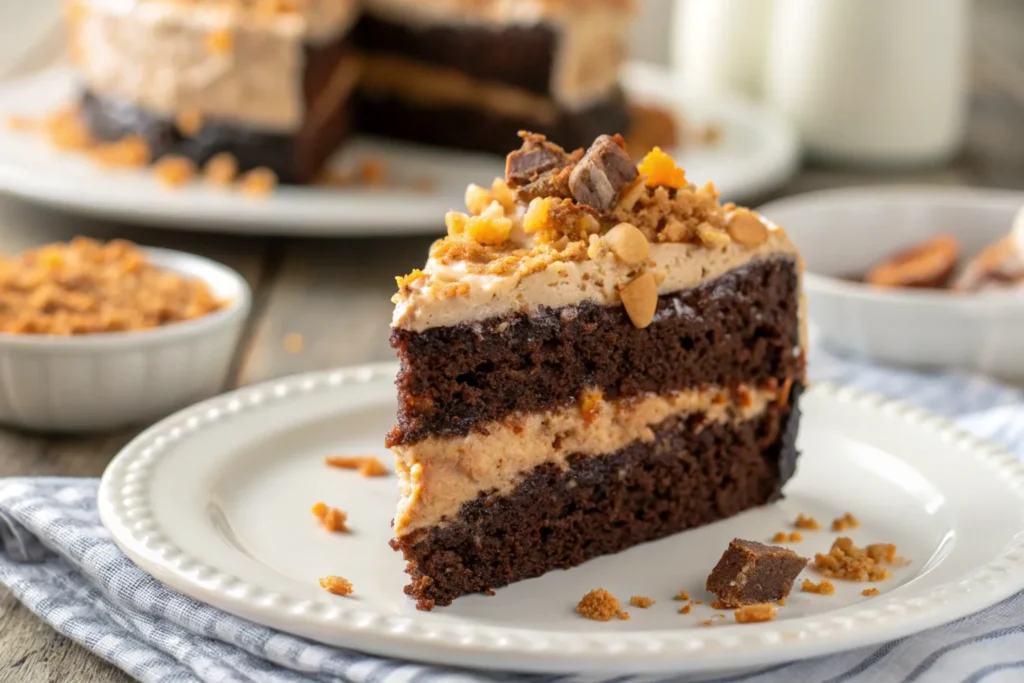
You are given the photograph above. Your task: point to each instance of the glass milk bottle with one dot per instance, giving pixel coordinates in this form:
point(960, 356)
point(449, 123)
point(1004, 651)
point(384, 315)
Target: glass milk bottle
point(720, 45)
point(872, 82)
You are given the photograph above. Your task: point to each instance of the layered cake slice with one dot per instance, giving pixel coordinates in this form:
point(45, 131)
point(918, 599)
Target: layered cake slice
point(597, 355)
point(282, 83)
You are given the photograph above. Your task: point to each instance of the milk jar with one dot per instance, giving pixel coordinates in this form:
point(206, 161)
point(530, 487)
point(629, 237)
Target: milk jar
point(871, 82)
point(720, 45)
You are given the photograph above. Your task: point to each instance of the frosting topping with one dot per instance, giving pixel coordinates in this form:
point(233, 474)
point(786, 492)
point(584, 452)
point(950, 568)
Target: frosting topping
point(566, 228)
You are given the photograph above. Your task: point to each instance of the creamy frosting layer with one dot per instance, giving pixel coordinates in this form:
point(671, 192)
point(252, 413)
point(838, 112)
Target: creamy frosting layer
point(426, 85)
point(682, 265)
point(210, 60)
point(437, 475)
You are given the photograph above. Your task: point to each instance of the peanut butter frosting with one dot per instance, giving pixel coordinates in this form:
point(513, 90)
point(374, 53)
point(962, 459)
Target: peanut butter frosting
point(553, 242)
point(437, 475)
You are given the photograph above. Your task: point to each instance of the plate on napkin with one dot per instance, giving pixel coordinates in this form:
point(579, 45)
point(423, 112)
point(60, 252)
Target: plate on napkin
point(215, 502)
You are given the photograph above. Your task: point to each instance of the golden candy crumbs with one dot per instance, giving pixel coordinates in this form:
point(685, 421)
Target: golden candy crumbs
point(491, 227)
point(455, 221)
point(220, 41)
point(661, 170)
point(477, 199)
point(537, 215)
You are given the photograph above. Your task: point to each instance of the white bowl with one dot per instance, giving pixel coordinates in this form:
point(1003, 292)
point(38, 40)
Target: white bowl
point(842, 233)
point(99, 382)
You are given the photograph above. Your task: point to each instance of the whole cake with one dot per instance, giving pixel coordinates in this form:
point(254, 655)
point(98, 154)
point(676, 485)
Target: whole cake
point(281, 83)
point(597, 355)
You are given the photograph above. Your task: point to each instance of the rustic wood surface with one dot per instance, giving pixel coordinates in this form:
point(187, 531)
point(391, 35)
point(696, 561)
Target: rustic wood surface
point(336, 294)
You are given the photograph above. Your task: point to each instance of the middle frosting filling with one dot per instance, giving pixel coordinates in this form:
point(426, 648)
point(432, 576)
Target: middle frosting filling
point(437, 475)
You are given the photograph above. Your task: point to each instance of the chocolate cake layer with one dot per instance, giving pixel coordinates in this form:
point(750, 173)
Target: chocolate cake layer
point(556, 519)
point(476, 129)
point(740, 328)
point(295, 157)
point(518, 55)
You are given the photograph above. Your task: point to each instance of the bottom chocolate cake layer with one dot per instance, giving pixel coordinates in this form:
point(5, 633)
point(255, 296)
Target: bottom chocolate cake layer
point(555, 519)
point(479, 130)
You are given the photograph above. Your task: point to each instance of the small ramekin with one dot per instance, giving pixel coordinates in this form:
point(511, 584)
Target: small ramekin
point(101, 382)
point(842, 233)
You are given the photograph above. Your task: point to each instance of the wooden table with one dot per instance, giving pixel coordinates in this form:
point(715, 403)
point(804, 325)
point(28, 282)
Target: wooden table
point(336, 294)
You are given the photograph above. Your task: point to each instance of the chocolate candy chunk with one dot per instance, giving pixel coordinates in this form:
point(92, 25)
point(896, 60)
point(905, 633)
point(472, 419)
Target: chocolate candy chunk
point(536, 157)
point(752, 573)
point(601, 174)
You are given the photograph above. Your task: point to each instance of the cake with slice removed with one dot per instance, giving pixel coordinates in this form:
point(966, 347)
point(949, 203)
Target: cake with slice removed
point(597, 355)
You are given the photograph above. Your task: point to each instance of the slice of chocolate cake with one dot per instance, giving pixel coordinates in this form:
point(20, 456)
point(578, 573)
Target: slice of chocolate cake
point(282, 83)
point(595, 356)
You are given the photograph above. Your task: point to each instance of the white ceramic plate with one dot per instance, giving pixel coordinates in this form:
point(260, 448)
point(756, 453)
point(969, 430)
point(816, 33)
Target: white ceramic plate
point(215, 502)
point(758, 152)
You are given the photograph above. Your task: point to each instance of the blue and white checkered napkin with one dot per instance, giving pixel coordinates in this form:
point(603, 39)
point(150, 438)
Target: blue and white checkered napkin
point(59, 562)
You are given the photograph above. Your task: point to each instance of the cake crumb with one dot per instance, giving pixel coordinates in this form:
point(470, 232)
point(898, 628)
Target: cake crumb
point(805, 522)
point(845, 560)
point(21, 123)
point(870, 592)
point(330, 518)
point(682, 595)
point(847, 521)
point(826, 587)
point(780, 537)
point(490, 592)
point(174, 171)
point(782, 602)
point(188, 122)
point(796, 537)
point(259, 182)
point(718, 604)
point(294, 343)
point(641, 601)
point(338, 585)
point(220, 41)
point(221, 170)
point(372, 467)
point(367, 465)
point(752, 614)
point(600, 605)
point(685, 609)
point(373, 172)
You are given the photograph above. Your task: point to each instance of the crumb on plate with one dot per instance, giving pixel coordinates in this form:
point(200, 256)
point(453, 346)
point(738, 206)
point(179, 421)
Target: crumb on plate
point(870, 592)
point(338, 585)
point(826, 587)
point(367, 465)
point(805, 522)
point(847, 521)
point(294, 343)
point(752, 614)
point(682, 595)
point(600, 605)
point(641, 601)
point(332, 519)
point(851, 563)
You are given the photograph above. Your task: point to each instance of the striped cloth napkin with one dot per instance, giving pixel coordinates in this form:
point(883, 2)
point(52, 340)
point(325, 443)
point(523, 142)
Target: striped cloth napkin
point(58, 560)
